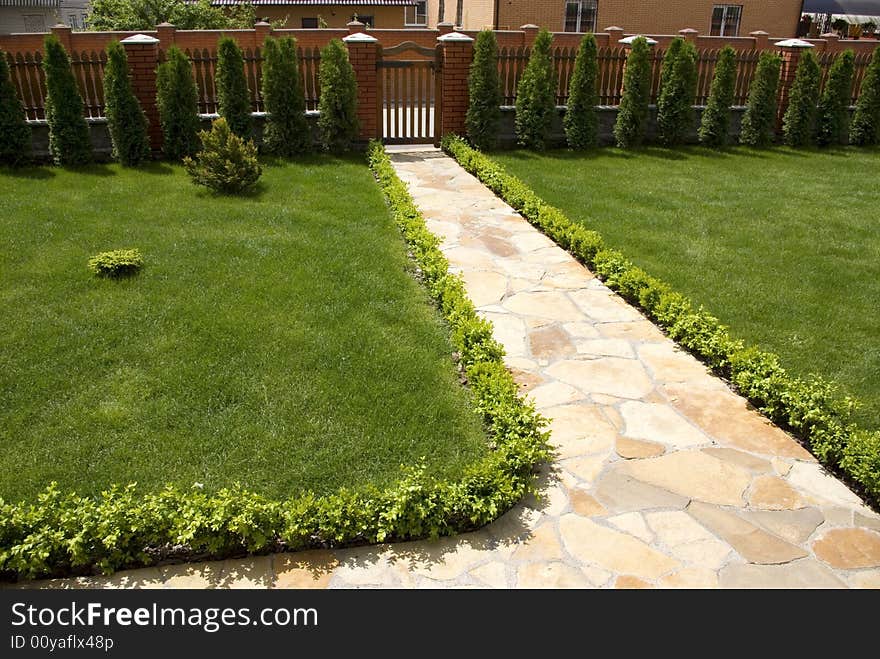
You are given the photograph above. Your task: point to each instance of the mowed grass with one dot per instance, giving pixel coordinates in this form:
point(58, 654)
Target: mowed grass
point(276, 340)
point(782, 245)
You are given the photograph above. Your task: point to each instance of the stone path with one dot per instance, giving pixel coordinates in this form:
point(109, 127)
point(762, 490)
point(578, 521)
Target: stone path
point(664, 477)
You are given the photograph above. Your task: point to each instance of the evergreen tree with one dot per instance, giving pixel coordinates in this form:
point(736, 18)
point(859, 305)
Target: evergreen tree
point(669, 58)
point(865, 127)
point(675, 108)
point(15, 134)
point(581, 122)
point(536, 95)
point(69, 140)
point(800, 115)
point(758, 123)
point(632, 115)
point(715, 124)
point(232, 90)
point(287, 131)
point(833, 113)
point(484, 93)
point(178, 101)
point(338, 122)
point(126, 120)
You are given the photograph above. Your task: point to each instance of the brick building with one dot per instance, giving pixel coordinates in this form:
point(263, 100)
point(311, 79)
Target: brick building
point(40, 15)
point(305, 14)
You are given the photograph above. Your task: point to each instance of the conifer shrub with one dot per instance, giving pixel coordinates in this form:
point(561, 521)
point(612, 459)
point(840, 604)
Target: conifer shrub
point(337, 122)
point(15, 134)
point(226, 163)
point(668, 65)
point(287, 131)
point(126, 120)
point(484, 93)
point(117, 263)
point(581, 122)
point(632, 115)
point(758, 123)
point(232, 91)
point(865, 127)
point(675, 107)
point(798, 124)
point(833, 113)
point(69, 139)
point(178, 101)
point(536, 95)
point(715, 123)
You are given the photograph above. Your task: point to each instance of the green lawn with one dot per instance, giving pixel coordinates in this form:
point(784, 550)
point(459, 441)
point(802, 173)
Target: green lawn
point(277, 340)
point(782, 245)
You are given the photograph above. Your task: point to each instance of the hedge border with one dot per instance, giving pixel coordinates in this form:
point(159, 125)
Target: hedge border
point(64, 534)
point(811, 409)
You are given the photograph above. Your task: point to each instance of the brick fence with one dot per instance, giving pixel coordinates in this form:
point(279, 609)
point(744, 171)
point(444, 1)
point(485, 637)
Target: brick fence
point(146, 50)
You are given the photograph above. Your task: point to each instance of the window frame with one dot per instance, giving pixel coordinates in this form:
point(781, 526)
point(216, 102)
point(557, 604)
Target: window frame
point(580, 15)
point(303, 20)
point(725, 18)
point(415, 8)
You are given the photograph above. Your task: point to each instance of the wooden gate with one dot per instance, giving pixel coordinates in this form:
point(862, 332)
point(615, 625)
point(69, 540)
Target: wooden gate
point(407, 100)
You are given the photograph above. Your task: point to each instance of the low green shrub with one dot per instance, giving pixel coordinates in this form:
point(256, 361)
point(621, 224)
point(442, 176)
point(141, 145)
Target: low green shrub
point(226, 162)
point(812, 408)
point(536, 95)
point(581, 122)
point(69, 140)
point(484, 93)
point(632, 115)
point(117, 263)
point(15, 134)
point(178, 100)
point(125, 118)
point(759, 120)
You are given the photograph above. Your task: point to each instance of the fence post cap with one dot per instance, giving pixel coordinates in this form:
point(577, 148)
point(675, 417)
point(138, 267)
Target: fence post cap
point(529, 26)
point(628, 41)
point(829, 35)
point(165, 24)
point(795, 43)
point(688, 30)
point(140, 38)
point(613, 28)
point(759, 33)
point(360, 37)
point(454, 36)
point(262, 24)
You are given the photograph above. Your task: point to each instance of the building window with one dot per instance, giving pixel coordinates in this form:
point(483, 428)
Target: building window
point(725, 20)
point(580, 15)
point(310, 24)
point(416, 14)
point(73, 21)
point(34, 23)
point(366, 20)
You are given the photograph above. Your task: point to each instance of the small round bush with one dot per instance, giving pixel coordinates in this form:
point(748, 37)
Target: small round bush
point(226, 162)
point(117, 263)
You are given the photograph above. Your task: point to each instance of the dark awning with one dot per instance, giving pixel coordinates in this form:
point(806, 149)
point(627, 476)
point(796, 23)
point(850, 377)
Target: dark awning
point(857, 7)
point(50, 4)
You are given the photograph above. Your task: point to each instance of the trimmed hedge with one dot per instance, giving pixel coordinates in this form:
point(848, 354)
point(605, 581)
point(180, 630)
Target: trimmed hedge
point(61, 533)
point(125, 118)
point(484, 93)
point(811, 408)
point(15, 134)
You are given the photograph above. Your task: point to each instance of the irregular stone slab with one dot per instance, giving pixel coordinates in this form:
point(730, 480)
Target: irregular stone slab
point(872, 521)
point(527, 380)
point(307, 569)
point(624, 378)
point(751, 542)
point(555, 393)
point(690, 577)
point(582, 330)
point(849, 548)
point(636, 448)
point(869, 579)
point(806, 573)
point(577, 430)
point(659, 423)
point(687, 540)
point(551, 342)
point(585, 504)
point(586, 468)
point(492, 574)
point(813, 480)
point(204, 575)
point(485, 287)
point(551, 575)
point(773, 493)
point(498, 245)
point(693, 474)
point(792, 525)
point(746, 460)
point(509, 331)
point(668, 363)
point(638, 330)
point(605, 348)
point(549, 304)
point(567, 275)
point(621, 493)
point(781, 467)
point(447, 231)
point(728, 419)
point(469, 259)
point(604, 306)
point(612, 550)
point(531, 241)
point(629, 582)
point(542, 545)
point(634, 524)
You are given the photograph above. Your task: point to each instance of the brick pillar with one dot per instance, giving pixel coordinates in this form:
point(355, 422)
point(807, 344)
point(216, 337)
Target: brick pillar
point(458, 52)
point(761, 38)
point(689, 34)
point(261, 31)
point(791, 56)
point(143, 58)
point(530, 33)
point(355, 27)
point(167, 34)
point(62, 31)
point(832, 42)
point(363, 51)
point(615, 34)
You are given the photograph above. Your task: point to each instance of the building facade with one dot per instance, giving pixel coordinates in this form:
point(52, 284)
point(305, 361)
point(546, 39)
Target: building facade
point(40, 15)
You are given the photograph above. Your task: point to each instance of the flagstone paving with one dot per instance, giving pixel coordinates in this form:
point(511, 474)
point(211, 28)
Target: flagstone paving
point(663, 477)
